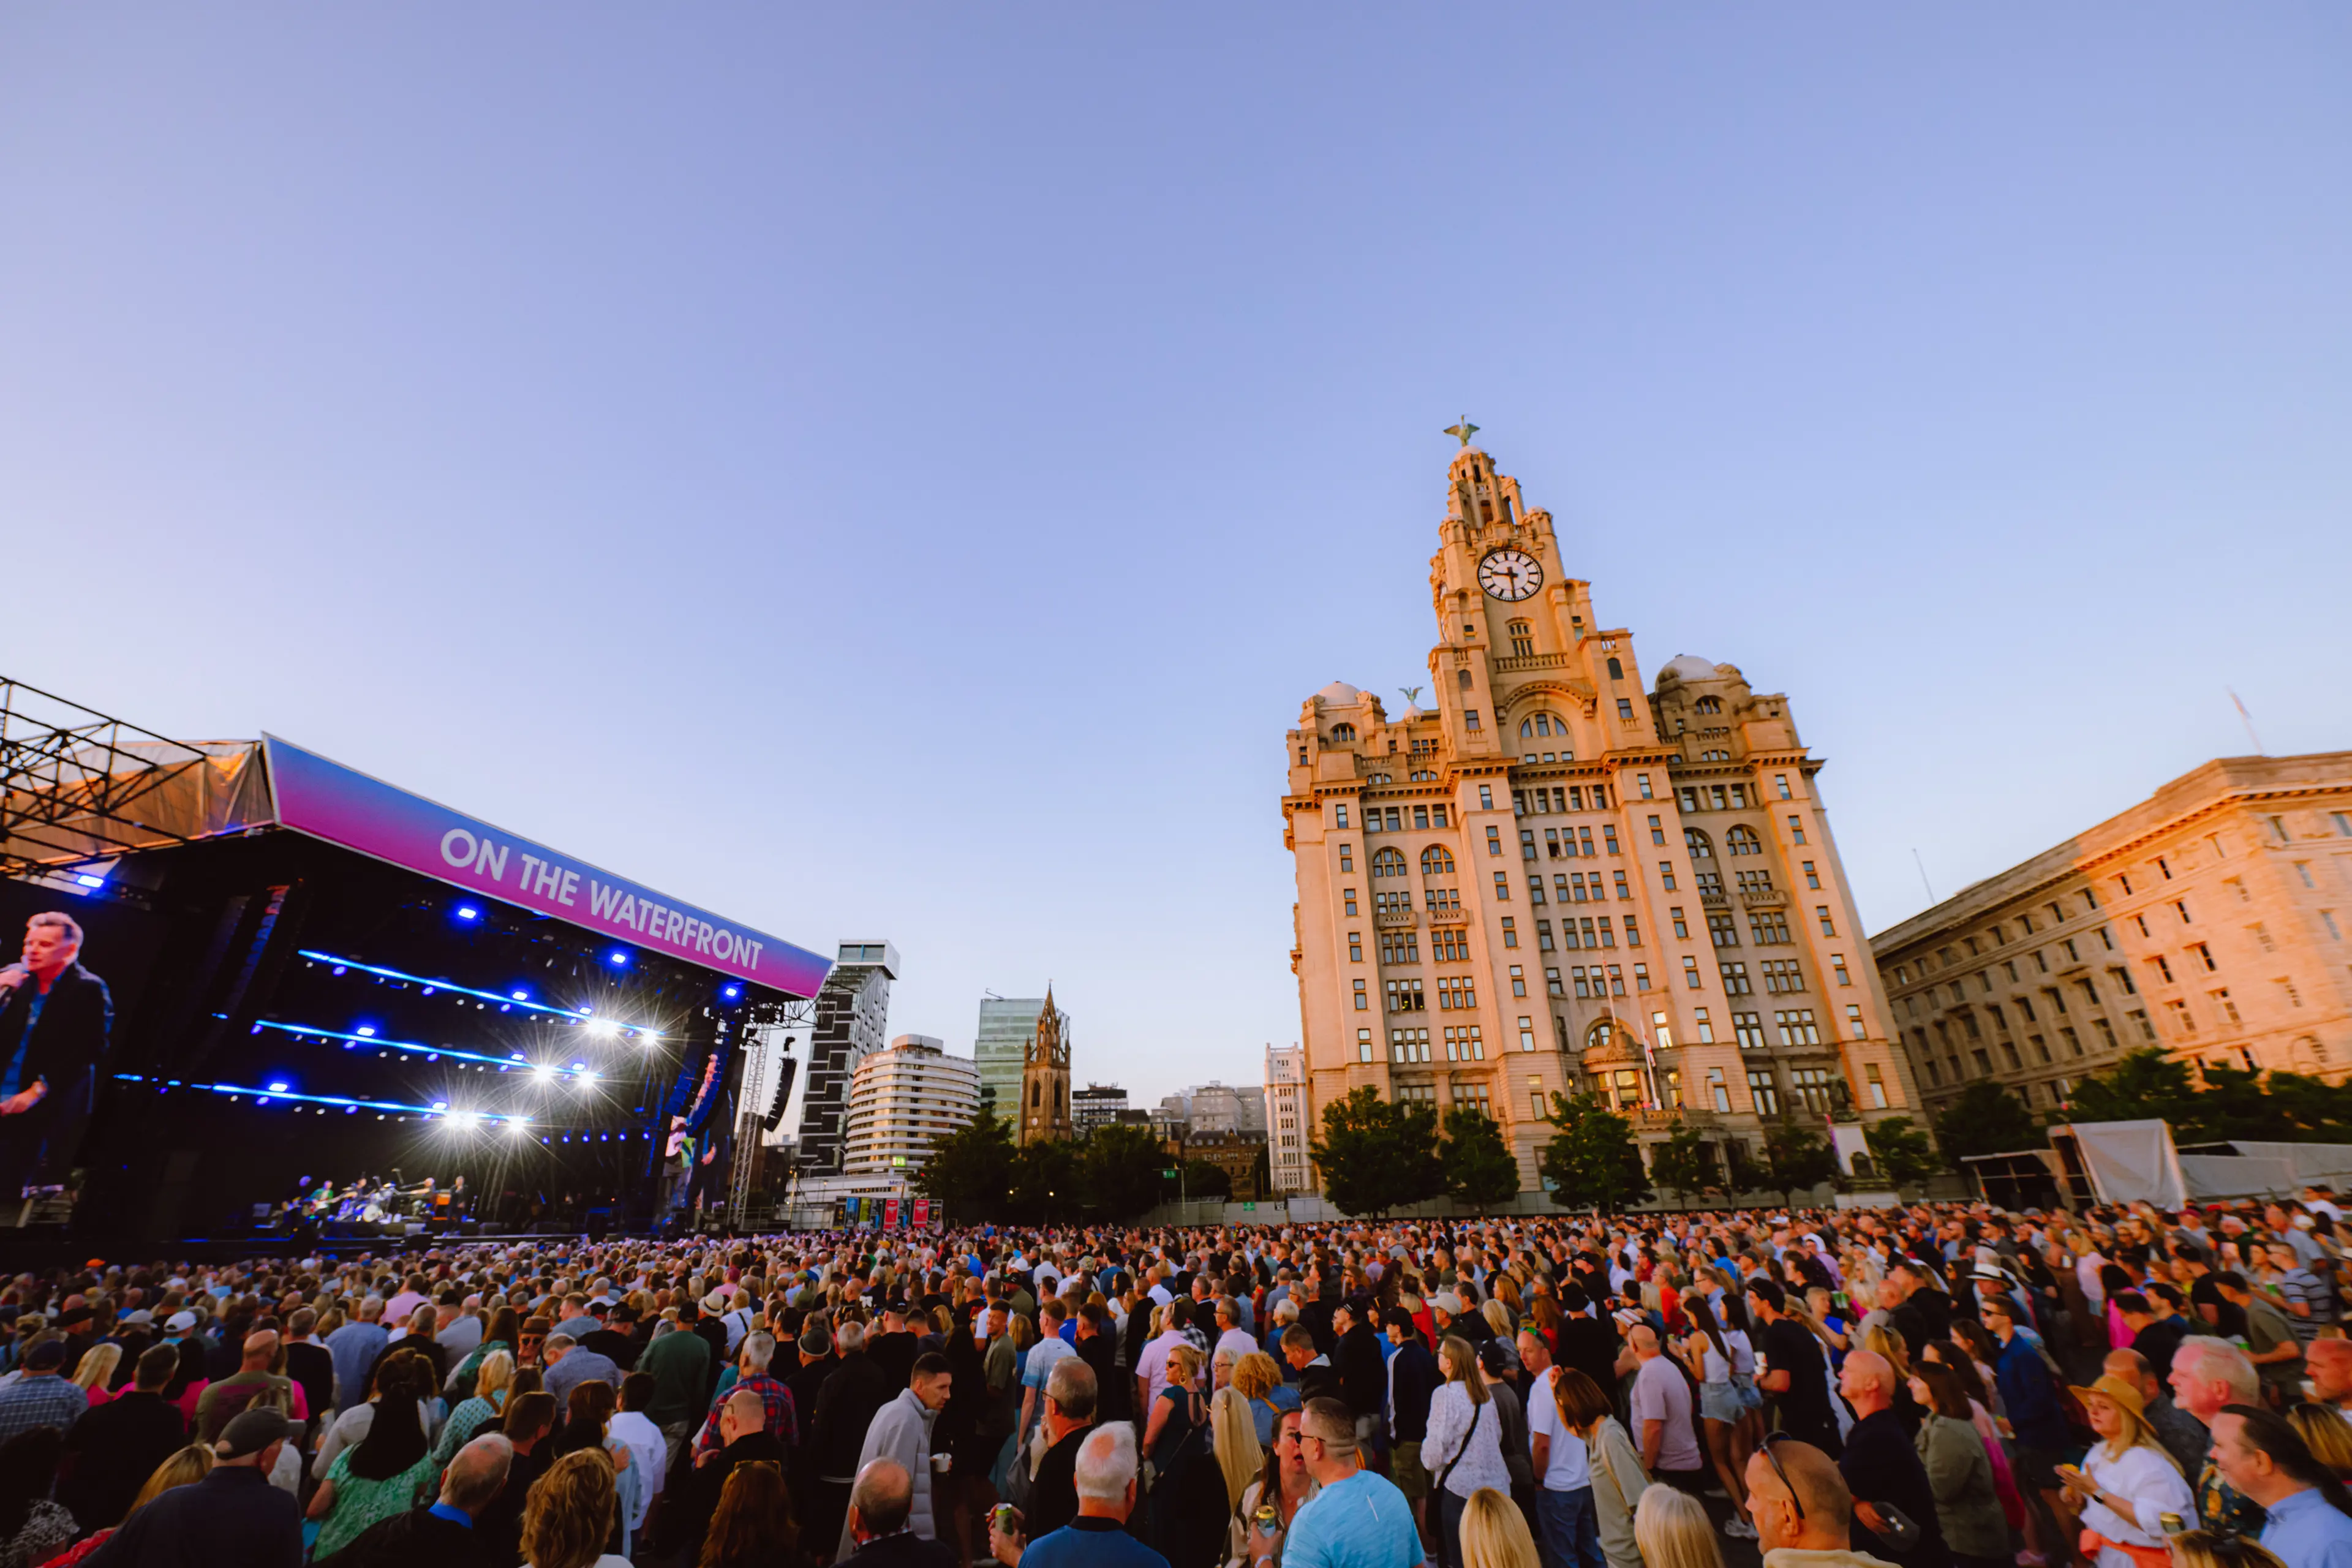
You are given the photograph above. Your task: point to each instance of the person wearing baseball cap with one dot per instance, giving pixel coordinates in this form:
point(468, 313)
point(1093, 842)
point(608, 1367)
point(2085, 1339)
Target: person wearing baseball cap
point(232, 1519)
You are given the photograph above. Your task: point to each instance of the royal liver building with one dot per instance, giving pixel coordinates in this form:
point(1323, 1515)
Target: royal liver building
point(1554, 878)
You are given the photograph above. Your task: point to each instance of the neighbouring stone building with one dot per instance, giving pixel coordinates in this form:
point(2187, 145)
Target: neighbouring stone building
point(2210, 920)
point(1552, 878)
point(1043, 1110)
point(1287, 1133)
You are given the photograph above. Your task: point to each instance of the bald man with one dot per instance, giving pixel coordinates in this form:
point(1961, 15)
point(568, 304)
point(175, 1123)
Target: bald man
point(1661, 1404)
point(442, 1533)
point(742, 1431)
point(253, 1383)
point(881, 1521)
point(1800, 1503)
point(1882, 1471)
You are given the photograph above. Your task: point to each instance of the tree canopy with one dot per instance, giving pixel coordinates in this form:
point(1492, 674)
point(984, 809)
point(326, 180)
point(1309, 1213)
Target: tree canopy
point(1377, 1155)
point(1685, 1163)
point(970, 1169)
point(2207, 1102)
point(1798, 1158)
point(1593, 1159)
point(1988, 1119)
point(1480, 1169)
point(1901, 1150)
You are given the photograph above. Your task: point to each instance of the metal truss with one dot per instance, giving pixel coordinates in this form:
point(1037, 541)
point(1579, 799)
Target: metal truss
point(73, 782)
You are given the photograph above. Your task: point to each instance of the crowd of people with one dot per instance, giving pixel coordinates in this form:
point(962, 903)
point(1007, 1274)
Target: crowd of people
point(1921, 1387)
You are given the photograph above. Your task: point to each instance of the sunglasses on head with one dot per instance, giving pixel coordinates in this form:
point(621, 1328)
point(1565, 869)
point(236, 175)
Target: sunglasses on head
point(1774, 1461)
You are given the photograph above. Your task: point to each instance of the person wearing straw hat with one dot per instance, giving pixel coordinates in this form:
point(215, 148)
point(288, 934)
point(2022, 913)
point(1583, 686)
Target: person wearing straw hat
point(2126, 1482)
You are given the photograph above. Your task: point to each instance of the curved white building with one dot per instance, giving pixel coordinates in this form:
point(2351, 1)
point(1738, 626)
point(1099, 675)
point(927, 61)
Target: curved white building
point(902, 1101)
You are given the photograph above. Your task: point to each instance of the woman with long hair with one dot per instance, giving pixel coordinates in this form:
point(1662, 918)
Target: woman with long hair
point(31, 1526)
point(1179, 1417)
point(2327, 1434)
point(2126, 1481)
point(1464, 1446)
point(2213, 1549)
point(1256, 1379)
point(1959, 1473)
point(752, 1526)
point(1282, 1482)
point(95, 1375)
point(1495, 1533)
point(1619, 1482)
point(1712, 1353)
point(1671, 1530)
point(569, 1515)
point(387, 1472)
point(184, 1468)
point(588, 1424)
point(1950, 1356)
point(478, 1413)
point(505, 1334)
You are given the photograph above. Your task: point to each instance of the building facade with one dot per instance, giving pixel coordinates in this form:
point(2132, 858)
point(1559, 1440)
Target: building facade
point(853, 1019)
point(1553, 880)
point(1003, 1046)
point(1097, 1105)
point(2210, 920)
point(1045, 1102)
point(1286, 1130)
point(1241, 1156)
point(903, 1100)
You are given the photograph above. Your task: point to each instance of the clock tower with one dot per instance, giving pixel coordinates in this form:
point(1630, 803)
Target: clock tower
point(1521, 890)
point(1045, 1112)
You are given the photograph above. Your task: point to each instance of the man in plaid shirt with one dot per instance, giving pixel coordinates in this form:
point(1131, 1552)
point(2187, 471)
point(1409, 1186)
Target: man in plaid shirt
point(758, 1348)
point(41, 1396)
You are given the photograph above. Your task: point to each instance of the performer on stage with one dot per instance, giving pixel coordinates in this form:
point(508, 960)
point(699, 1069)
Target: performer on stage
point(55, 1017)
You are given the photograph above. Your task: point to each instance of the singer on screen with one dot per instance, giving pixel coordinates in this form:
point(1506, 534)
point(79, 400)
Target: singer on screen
point(54, 1019)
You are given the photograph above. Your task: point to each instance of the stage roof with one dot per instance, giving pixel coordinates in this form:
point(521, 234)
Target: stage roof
point(104, 803)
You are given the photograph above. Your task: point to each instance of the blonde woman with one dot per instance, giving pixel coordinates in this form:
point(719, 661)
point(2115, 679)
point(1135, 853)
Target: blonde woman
point(2327, 1434)
point(2210, 1549)
point(1672, 1530)
point(1463, 1449)
point(1256, 1379)
point(96, 1372)
point(492, 1381)
point(570, 1514)
point(1495, 1533)
point(1233, 1438)
point(1178, 1416)
point(2127, 1482)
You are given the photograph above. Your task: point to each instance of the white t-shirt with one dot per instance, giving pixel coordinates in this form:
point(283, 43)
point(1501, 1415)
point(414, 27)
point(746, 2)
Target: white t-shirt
point(1041, 1357)
point(1568, 1468)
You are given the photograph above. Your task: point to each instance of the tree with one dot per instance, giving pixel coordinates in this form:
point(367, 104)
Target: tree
point(1203, 1180)
point(1118, 1171)
point(1377, 1155)
point(970, 1169)
point(1798, 1158)
point(2207, 1102)
point(2144, 1085)
point(1988, 1119)
point(1593, 1157)
point(1480, 1171)
point(1901, 1150)
point(1685, 1163)
point(1045, 1181)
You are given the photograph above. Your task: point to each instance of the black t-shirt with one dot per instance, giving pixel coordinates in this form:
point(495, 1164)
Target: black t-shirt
point(1881, 1465)
point(1805, 1404)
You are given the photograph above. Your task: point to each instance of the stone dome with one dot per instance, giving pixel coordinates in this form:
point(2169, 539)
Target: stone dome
point(1686, 666)
point(1339, 694)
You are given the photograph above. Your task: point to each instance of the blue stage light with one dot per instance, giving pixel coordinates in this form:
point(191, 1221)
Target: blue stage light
point(732, 992)
point(365, 1031)
point(520, 996)
point(617, 959)
point(469, 912)
point(281, 1086)
point(86, 881)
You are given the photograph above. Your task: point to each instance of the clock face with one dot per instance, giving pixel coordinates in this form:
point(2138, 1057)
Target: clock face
point(1510, 574)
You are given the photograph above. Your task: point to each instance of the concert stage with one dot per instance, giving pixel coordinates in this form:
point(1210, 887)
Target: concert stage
point(317, 977)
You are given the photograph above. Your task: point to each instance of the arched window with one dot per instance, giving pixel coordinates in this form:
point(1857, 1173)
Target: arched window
point(1603, 1035)
point(1462, 678)
point(1701, 848)
point(1709, 704)
point(1436, 862)
point(1616, 669)
point(1742, 840)
point(1388, 863)
point(1523, 639)
point(1035, 1089)
point(1544, 724)
point(1343, 732)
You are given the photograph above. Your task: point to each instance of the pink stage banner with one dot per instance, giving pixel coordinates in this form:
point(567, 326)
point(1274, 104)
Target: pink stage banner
point(329, 800)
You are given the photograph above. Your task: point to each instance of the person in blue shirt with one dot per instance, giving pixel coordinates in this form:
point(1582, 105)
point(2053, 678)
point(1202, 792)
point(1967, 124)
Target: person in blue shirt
point(1098, 1537)
point(2309, 1522)
point(1358, 1519)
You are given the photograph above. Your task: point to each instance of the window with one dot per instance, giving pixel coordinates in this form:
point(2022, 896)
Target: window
point(1796, 831)
point(1641, 783)
point(1523, 645)
point(1764, 1092)
point(1552, 982)
point(2180, 908)
point(1462, 994)
point(1436, 861)
point(1657, 832)
point(1544, 725)
point(2302, 869)
point(1388, 863)
point(1837, 968)
point(1510, 932)
point(1811, 1086)
point(2328, 919)
point(1697, 843)
point(2204, 953)
point(1363, 1003)
point(1666, 875)
point(1682, 927)
point(1462, 1043)
point(1534, 888)
point(1339, 818)
point(1348, 894)
point(1690, 972)
point(1405, 996)
point(1355, 947)
point(1625, 708)
point(1782, 975)
point(1723, 930)
point(1526, 843)
point(1742, 840)
point(1543, 936)
point(1748, 1029)
point(1796, 1027)
point(1347, 857)
point(1854, 1027)
point(1769, 927)
point(1408, 1045)
point(2182, 1019)
point(1641, 977)
point(1822, 913)
point(1632, 932)
point(2227, 1008)
point(1363, 1045)
point(1502, 888)
point(1470, 718)
point(1494, 839)
point(1735, 980)
point(1526, 1034)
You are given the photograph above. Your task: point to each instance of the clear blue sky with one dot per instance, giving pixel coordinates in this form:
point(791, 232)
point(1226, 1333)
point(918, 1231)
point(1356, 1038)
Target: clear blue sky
point(897, 471)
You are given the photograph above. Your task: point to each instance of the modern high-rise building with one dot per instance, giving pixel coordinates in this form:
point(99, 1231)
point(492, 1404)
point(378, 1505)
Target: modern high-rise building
point(2211, 920)
point(1097, 1105)
point(903, 1100)
point(1287, 1131)
point(853, 1019)
point(1551, 878)
point(1003, 1045)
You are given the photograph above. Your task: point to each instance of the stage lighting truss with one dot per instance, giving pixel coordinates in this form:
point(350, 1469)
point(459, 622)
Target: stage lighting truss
point(508, 1002)
point(457, 1119)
